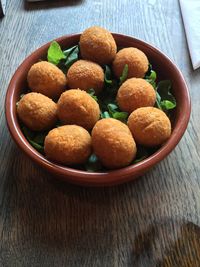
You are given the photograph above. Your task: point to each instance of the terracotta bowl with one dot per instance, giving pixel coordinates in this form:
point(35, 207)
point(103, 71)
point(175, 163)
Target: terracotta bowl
point(164, 68)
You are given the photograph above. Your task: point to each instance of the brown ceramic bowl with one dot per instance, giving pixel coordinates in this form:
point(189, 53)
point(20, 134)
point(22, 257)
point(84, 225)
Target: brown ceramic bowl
point(164, 68)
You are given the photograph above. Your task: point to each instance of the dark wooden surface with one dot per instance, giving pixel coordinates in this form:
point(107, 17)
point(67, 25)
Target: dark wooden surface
point(154, 221)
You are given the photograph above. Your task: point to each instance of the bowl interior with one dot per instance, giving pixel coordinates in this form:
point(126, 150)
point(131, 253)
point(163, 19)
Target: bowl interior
point(165, 70)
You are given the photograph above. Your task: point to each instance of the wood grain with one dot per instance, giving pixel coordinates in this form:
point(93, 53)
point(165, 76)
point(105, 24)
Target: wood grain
point(154, 221)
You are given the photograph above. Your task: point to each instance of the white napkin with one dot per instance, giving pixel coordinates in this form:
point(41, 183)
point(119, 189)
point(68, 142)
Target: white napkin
point(191, 17)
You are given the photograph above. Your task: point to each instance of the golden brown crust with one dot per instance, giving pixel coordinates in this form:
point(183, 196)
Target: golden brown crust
point(135, 59)
point(135, 93)
point(149, 126)
point(98, 45)
point(78, 107)
point(113, 143)
point(68, 145)
point(47, 79)
point(85, 75)
point(37, 112)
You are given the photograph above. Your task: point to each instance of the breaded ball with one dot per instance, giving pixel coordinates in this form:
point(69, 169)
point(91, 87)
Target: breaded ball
point(68, 145)
point(113, 143)
point(98, 45)
point(37, 112)
point(78, 107)
point(135, 59)
point(135, 93)
point(149, 126)
point(47, 79)
point(85, 75)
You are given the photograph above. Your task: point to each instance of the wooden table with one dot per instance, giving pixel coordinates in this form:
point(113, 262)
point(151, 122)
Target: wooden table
point(153, 221)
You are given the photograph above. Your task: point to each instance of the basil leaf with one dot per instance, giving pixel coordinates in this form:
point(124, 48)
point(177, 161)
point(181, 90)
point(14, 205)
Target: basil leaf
point(166, 104)
point(122, 116)
point(20, 97)
point(158, 100)
point(107, 75)
point(105, 115)
point(140, 159)
point(39, 138)
point(28, 133)
point(112, 108)
point(124, 74)
point(114, 112)
point(72, 57)
point(91, 92)
point(69, 50)
point(142, 153)
point(151, 76)
point(148, 71)
point(163, 90)
point(38, 147)
point(55, 54)
point(30, 137)
point(93, 164)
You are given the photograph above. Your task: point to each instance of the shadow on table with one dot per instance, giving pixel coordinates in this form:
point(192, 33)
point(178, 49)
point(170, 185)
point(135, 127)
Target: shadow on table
point(52, 218)
point(52, 221)
point(47, 4)
point(170, 243)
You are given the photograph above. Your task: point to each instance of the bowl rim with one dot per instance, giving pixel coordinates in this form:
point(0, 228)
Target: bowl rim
point(80, 176)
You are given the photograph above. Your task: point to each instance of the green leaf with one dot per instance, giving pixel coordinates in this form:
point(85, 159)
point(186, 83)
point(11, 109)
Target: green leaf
point(55, 54)
point(166, 100)
point(105, 115)
point(20, 97)
point(158, 100)
point(114, 112)
point(153, 83)
point(139, 159)
point(122, 116)
point(124, 74)
point(72, 57)
point(38, 147)
point(112, 108)
point(91, 92)
point(107, 75)
point(30, 135)
point(93, 164)
point(164, 88)
point(142, 153)
point(151, 76)
point(148, 71)
point(39, 138)
point(166, 104)
point(68, 51)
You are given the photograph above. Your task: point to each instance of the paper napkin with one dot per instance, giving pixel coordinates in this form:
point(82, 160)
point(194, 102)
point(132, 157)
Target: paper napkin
point(191, 17)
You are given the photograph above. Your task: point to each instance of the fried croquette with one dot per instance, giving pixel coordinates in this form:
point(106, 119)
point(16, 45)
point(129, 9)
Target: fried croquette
point(97, 44)
point(78, 107)
point(47, 79)
point(135, 59)
point(37, 112)
point(135, 93)
point(113, 143)
point(85, 75)
point(68, 145)
point(149, 126)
